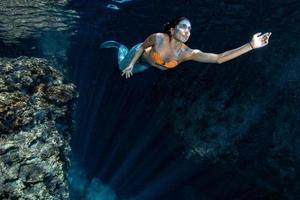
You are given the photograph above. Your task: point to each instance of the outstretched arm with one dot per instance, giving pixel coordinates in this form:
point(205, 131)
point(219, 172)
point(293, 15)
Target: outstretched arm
point(256, 42)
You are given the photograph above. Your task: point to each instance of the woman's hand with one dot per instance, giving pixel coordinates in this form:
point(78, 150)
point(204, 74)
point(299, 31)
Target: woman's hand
point(128, 71)
point(259, 41)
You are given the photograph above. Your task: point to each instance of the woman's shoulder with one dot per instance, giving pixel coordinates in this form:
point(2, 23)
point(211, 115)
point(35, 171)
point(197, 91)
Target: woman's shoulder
point(160, 35)
point(186, 49)
point(186, 52)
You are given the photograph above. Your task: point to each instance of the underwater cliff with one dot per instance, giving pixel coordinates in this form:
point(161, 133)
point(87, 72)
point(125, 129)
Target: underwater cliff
point(36, 106)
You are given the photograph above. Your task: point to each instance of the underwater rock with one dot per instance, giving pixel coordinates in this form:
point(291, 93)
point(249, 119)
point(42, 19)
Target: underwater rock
point(21, 19)
point(256, 139)
point(35, 126)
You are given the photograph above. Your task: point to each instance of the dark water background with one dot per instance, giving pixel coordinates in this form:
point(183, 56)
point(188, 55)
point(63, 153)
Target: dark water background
point(199, 131)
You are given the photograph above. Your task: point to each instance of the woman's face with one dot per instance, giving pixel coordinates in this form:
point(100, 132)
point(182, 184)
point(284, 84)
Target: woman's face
point(182, 31)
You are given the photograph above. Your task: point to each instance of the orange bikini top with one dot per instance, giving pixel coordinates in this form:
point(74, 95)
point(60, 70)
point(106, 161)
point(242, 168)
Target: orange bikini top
point(157, 58)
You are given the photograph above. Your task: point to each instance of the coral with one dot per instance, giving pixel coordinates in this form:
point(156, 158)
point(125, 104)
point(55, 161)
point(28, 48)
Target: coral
point(35, 126)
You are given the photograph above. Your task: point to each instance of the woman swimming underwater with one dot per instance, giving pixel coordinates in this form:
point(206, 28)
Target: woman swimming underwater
point(166, 50)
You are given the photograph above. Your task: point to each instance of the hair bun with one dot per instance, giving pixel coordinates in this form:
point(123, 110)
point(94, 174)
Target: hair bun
point(171, 24)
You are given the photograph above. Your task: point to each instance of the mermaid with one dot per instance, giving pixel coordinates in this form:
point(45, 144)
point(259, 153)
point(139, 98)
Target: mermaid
point(168, 49)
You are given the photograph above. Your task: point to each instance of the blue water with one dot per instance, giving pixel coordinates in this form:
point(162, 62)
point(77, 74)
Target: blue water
point(128, 144)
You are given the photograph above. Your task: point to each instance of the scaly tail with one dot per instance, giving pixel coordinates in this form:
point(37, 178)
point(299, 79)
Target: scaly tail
point(122, 49)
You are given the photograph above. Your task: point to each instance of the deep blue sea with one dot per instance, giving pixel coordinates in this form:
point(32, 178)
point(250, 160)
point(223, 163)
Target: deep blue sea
point(199, 131)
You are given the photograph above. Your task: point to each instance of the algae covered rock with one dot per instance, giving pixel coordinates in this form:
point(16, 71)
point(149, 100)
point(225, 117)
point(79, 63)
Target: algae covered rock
point(36, 105)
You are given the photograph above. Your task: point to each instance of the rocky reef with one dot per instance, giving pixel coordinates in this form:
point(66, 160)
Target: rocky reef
point(36, 107)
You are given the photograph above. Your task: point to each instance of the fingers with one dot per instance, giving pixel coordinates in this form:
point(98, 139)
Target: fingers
point(127, 73)
point(268, 34)
point(256, 34)
point(266, 41)
point(261, 39)
point(266, 37)
point(124, 72)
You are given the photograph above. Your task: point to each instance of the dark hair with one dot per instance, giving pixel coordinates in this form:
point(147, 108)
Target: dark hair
point(171, 24)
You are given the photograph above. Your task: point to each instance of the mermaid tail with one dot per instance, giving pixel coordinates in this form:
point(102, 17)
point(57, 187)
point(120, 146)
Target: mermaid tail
point(125, 55)
point(122, 49)
point(110, 44)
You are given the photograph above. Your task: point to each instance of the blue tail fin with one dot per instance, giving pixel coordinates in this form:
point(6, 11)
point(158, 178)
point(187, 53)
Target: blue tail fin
point(122, 49)
point(110, 44)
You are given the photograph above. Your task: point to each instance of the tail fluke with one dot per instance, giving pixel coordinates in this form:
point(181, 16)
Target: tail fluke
point(110, 44)
point(122, 49)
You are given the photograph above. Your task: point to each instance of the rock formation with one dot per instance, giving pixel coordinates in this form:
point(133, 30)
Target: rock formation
point(36, 105)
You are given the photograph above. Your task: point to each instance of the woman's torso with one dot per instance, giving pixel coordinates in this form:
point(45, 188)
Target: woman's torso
point(162, 56)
